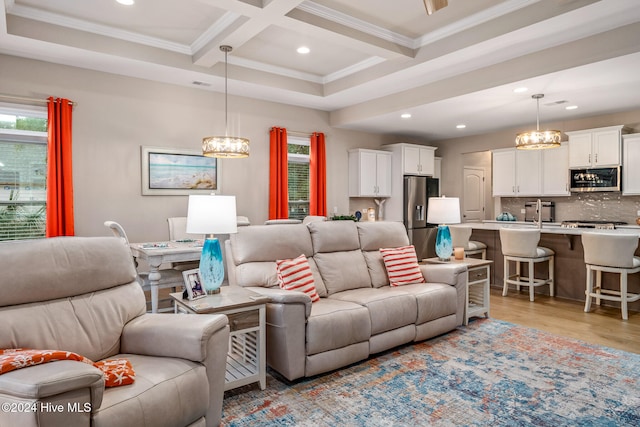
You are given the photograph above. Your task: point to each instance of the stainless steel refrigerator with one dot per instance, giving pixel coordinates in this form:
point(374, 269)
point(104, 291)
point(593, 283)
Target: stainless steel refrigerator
point(417, 190)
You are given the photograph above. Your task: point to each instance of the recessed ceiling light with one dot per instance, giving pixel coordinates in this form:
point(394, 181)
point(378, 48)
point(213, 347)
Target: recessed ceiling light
point(571, 107)
point(520, 89)
point(303, 50)
point(405, 116)
point(126, 2)
point(461, 126)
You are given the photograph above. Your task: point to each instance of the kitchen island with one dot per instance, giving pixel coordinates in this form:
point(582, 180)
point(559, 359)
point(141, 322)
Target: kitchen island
point(570, 269)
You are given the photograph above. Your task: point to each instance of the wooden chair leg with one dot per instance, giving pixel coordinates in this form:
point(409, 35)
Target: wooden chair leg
point(518, 275)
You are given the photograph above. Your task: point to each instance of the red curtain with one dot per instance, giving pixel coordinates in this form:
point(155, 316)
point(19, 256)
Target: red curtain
point(59, 176)
point(278, 175)
point(317, 176)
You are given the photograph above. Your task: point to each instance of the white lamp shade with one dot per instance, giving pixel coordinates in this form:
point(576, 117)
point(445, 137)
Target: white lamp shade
point(443, 210)
point(212, 214)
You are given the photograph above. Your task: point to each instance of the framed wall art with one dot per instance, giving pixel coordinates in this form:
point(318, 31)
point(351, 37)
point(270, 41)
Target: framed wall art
point(178, 172)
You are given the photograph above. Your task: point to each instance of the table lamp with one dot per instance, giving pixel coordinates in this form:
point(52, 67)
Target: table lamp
point(442, 211)
point(209, 215)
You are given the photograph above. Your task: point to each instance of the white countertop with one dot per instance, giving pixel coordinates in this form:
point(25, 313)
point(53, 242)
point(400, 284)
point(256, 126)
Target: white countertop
point(550, 227)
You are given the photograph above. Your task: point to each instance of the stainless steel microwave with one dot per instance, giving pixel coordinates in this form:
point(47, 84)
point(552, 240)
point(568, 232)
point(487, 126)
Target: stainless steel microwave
point(597, 179)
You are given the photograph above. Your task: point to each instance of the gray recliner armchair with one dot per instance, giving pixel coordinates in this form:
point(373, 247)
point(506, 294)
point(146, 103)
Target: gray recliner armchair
point(80, 294)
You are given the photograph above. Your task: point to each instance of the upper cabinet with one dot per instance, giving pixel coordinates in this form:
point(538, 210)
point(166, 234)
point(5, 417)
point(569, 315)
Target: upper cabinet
point(520, 173)
point(555, 171)
point(592, 148)
point(517, 172)
point(631, 164)
point(369, 173)
point(415, 159)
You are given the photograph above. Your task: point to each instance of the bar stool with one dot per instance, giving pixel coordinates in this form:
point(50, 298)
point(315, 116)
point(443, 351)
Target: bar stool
point(521, 245)
point(460, 235)
point(611, 253)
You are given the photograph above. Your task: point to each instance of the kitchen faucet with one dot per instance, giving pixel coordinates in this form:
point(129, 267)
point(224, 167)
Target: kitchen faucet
point(538, 223)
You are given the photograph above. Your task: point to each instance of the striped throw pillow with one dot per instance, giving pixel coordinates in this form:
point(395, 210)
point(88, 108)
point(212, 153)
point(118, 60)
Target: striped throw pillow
point(402, 265)
point(295, 275)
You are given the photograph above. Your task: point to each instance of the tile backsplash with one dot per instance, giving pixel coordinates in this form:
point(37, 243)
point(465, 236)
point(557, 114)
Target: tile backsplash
point(582, 206)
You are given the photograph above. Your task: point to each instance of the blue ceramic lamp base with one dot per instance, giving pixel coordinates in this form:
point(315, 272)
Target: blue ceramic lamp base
point(211, 266)
point(444, 244)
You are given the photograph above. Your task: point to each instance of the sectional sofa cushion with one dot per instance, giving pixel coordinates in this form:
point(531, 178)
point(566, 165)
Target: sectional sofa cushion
point(376, 235)
point(389, 309)
point(335, 324)
point(334, 236)
point(271, 242)
point(342, 271)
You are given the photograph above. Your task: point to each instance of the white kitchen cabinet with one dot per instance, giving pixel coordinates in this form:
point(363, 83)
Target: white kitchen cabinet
point(631, 165)
point(555, 171)
point(517, 172)
point(504, 172)
point(415, 159)
point(592, 148)
point(369, 173)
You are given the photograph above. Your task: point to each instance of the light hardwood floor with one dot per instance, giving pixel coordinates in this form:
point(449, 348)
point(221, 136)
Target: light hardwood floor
point(603, 325)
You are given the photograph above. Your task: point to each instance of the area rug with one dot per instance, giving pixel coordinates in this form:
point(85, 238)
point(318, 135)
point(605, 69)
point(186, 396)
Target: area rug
point(490, 373)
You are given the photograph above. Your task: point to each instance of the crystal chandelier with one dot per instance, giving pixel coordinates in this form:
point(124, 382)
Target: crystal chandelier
point(537, 139)
point(225, 146)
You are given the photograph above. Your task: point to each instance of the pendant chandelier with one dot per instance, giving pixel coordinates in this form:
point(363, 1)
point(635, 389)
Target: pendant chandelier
point(225, 146)
point(537, 139)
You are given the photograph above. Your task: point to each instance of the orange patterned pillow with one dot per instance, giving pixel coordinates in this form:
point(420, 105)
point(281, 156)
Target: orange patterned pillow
point(295, 275)
point(402, 265)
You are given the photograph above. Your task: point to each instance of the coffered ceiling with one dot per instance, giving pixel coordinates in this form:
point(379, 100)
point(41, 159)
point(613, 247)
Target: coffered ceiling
point(369, 60)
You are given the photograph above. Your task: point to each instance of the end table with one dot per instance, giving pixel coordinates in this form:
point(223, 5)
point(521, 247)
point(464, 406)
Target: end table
point(246, 359)
point(478, 283)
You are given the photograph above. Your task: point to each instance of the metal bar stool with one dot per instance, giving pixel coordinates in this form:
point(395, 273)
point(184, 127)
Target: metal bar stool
point(521, 245)
point(460, 235)
point(611, 253)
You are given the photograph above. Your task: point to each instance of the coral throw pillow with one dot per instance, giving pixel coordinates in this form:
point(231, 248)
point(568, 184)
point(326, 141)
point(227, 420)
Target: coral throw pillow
point(402, 265)
point(295, 275)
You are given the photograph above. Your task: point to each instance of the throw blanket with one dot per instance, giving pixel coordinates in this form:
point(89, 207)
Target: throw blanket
point(116, 372)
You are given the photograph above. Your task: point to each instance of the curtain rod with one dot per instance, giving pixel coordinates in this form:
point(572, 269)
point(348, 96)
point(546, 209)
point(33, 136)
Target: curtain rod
point(29, 100)
point(299, 133)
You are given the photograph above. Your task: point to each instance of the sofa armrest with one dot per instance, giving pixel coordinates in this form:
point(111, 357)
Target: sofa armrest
point(172, 335)
point(282, 296)
point(54, 378)
point(451, 274)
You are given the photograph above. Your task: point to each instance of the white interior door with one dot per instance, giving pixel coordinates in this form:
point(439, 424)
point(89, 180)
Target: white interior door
point(473, 194)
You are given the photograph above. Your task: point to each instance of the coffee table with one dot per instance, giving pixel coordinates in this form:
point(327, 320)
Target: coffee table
point(246, 358)
point(478, 284)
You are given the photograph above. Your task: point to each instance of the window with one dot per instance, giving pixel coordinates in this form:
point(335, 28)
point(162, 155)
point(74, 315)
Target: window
point(298, 165)
point(23, 171)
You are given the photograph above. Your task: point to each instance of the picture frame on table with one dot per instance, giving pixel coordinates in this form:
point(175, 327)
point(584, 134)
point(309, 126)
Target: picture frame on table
point(178, 172)
point(193, 284)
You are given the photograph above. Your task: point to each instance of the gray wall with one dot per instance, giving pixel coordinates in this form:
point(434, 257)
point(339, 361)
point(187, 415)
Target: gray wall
point(115, 115)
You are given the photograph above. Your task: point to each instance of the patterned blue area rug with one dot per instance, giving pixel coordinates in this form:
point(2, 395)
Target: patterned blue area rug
point(491, 373)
